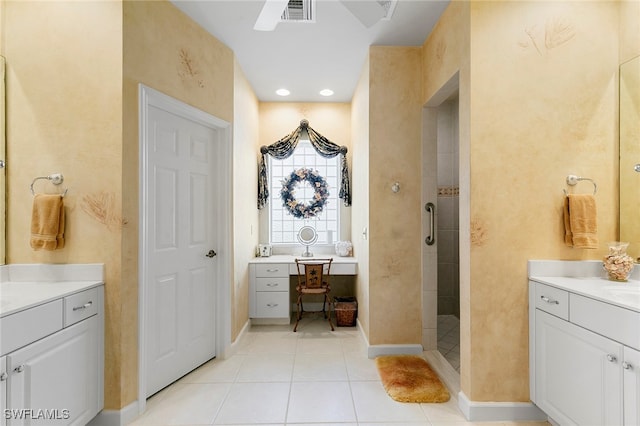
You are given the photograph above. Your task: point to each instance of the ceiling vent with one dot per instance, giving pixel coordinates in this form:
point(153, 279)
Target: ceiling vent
point(299, 11)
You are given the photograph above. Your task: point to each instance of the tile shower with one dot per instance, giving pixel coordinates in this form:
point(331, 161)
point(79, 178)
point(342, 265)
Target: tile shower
point(448, 325)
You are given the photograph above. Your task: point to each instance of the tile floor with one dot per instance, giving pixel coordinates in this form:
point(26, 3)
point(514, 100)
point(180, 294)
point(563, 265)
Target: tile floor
point(449, 339)
point(278, 377)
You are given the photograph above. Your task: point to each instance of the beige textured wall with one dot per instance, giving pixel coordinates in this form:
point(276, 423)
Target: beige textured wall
point(360, 189)
point(165, 50)
point(75, 111)
point(64, 115)
point(245, 217)
point(278, 119)
point(395, 155)
point(542, 104)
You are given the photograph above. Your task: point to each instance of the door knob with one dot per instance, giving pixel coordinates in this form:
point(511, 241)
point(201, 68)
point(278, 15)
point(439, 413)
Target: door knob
point(211, 253)
point(637, 167)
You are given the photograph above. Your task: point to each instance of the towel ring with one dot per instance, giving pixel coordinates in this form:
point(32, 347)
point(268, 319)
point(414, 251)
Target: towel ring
point(55, 179)
point(573, 180)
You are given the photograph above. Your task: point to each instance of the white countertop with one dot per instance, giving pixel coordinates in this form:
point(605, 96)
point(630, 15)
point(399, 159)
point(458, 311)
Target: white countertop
point(286, 258)
point(23, 286)
point(341, 265)
point(585, 278)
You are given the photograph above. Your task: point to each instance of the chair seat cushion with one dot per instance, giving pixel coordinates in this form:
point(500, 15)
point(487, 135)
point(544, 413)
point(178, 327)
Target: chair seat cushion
point(304, 290)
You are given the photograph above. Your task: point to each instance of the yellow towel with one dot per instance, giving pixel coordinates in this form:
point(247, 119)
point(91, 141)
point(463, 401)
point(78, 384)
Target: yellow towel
point(47, 222)
point(580, 221)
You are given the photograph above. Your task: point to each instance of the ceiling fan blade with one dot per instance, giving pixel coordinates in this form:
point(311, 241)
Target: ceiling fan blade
point(270, 15)
point(367, 12)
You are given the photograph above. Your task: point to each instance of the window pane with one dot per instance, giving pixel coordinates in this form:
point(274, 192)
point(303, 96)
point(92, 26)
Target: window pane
point(284, 226)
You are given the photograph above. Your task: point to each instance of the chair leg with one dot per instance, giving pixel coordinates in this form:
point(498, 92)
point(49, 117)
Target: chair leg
point(324, 303)
point(298, 313)
point(326, 299)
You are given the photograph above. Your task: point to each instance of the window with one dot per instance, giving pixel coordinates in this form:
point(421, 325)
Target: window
point(283, 227)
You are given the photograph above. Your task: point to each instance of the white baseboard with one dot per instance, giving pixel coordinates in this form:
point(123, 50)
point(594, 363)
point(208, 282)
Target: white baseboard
point(408, 349)
point(499, 411)
point(233, 348)
point(378, 350)
point(121, 417)
point(445, 371)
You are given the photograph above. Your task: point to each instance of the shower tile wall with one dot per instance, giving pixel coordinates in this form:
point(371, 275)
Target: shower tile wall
point(448, 205)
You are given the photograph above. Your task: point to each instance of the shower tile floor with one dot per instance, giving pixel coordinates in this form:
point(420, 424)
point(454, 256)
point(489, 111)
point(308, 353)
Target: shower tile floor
point(449, 339)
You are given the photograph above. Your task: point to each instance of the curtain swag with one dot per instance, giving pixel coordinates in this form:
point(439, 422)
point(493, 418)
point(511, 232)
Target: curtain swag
point(284, 148)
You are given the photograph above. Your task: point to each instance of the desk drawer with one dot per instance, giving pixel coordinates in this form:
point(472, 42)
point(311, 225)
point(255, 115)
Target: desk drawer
point(272, 270)
point(80, 306)
point(272, 304)
point(552, 300)
point(272, 284)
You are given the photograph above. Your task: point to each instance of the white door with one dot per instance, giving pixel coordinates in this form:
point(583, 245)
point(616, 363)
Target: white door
point(181, 262)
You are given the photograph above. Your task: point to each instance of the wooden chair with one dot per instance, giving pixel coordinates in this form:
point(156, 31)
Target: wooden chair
point(313, 278)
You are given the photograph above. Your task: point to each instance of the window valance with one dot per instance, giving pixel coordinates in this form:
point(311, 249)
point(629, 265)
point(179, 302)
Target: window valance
point(284, 148)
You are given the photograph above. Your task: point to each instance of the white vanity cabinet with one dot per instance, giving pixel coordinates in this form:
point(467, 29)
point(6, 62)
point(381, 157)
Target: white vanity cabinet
point(269, 291)
point(576, 384)
point(59, 373)
point(55, 374)
point(631, 379)
point(3, 388)
point(584, 359)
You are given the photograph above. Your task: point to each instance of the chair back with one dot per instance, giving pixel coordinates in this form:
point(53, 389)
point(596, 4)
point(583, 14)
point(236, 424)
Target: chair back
point(311, 272)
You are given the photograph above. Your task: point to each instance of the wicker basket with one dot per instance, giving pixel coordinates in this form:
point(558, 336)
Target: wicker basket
point(346, 309)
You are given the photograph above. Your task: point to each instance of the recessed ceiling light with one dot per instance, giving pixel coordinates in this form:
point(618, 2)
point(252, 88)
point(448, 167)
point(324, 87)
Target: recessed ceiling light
point(283, 92)
point(326, 92)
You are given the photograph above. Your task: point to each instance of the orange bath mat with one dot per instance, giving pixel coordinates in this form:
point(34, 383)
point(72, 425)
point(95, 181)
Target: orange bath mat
point(409, 378)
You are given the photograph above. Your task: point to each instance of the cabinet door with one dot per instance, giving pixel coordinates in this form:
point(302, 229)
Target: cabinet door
point(578, 374)
point(631, 374)
point(3, 389)
point(55, 381)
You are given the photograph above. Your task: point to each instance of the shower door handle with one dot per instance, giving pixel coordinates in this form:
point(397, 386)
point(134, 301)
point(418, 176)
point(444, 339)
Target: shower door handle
point(431, 238)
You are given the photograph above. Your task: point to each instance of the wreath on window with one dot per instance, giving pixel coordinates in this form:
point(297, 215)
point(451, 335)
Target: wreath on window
point(300, 209)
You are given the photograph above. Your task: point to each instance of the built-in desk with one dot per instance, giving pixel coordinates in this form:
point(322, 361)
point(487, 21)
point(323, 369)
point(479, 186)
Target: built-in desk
point(269, 299)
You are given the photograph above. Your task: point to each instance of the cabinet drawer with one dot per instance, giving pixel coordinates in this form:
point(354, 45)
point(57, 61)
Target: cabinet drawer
point(619, 324)
point(80, 306)
point(552, 300)
point(27, 326)
point(272, 304)
point(272, 270)
point(272, 284)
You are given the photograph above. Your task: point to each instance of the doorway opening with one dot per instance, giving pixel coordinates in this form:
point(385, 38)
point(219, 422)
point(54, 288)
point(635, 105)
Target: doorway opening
point(447, 230)
point(184, 240)
point(440, 253)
